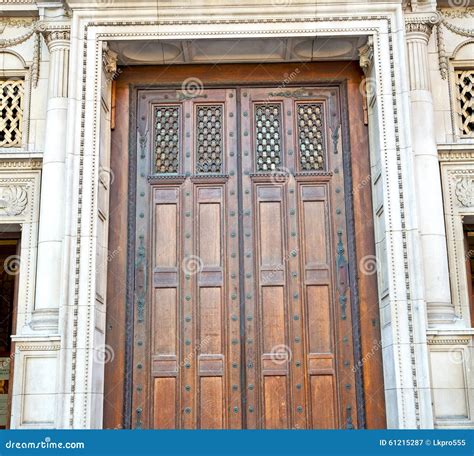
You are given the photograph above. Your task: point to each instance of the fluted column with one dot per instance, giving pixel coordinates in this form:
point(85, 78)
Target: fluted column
point(51, 224)
point(428, 181)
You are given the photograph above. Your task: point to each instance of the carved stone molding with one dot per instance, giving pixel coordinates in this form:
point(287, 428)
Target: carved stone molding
point(446, 340)
point(13, 200)
point(24, 164)
point(32, 347)
point(465, 155)
point(465, 191)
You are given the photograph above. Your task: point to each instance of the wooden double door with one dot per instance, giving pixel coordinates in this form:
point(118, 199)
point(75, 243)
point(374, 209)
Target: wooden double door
point(242, 315)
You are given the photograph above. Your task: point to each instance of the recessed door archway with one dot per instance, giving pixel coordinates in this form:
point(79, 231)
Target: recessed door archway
point(242, 304)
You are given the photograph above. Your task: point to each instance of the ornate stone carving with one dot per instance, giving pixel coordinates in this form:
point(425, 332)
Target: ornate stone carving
point(418, 31)
point(109, 60)
point(459, 13)
point(418, 26)
point(17, 22)
point(465, 191)
point(13, 200)
point(57, 37)
point(8, 42)
point(442, 23)
point(366, 55)
point(462, 31)
point(442, 57)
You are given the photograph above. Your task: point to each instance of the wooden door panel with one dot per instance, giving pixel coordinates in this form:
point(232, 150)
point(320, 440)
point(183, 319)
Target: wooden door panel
point(292, 172)
point(275, 414)
point(165, 401)
point(187, 280)
point(323, 401)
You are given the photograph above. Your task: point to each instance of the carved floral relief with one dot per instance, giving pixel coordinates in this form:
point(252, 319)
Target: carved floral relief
point(13, 200)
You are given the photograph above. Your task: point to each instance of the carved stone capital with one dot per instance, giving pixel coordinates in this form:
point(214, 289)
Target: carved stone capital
point(109, 60)
point(420, 26)
point(57, 38)
point(366, 55)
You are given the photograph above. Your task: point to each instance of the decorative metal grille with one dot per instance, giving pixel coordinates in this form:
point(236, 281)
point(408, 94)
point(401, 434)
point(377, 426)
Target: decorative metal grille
point(310, 136)
point(465, 97)
point(209, 147)
point(167, 139)
point(11, 107)
point(268, 136)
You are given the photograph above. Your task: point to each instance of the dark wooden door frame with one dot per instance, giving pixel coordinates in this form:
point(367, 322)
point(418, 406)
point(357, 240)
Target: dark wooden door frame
point(130, 87)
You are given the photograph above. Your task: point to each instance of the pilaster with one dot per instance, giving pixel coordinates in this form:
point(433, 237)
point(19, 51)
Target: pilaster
point(428, 182)
point(51, 225)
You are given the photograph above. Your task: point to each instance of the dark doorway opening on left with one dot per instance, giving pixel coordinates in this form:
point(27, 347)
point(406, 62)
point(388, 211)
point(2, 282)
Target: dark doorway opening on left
point(9, 274)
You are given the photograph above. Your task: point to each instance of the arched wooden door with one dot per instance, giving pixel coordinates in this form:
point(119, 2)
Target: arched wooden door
point(243, 306)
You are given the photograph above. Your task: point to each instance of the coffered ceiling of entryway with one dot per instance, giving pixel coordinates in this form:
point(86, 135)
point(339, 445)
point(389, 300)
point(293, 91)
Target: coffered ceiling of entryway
point(240, 50)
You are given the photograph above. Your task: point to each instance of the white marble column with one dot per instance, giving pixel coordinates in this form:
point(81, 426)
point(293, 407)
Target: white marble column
point(428, 181)
point(52, 217)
